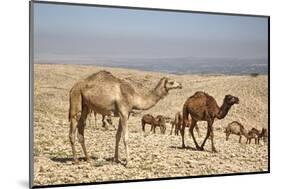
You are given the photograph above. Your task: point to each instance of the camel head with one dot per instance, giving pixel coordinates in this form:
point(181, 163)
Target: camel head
point(170, 84)
point(230, 100)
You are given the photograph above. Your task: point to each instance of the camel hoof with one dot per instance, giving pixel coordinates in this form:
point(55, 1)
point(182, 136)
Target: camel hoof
point(116, 160)
point(200, 148)
point(87, 159)
point(214, 150)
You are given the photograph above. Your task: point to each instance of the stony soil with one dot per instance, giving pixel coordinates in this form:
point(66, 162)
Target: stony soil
point(153, 155)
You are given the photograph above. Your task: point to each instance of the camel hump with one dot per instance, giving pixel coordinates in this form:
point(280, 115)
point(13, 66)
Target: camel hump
point(100, 74)
point(200, 93)
point(237, 123)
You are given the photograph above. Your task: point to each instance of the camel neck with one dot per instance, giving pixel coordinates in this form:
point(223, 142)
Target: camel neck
point(145, 102)
point(223, 110)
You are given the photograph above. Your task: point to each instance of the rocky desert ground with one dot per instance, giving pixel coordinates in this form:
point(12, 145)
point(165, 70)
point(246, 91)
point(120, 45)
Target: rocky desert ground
point(153, 155)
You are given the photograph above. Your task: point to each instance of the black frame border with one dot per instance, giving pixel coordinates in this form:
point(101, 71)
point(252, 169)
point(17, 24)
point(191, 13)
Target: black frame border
point(31, 92)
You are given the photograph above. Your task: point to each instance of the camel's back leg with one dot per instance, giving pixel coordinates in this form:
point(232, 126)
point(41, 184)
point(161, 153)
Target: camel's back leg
point(182, 131)
point(72, 131)
point(143, 125)
point(81, 127)
point(193, 123)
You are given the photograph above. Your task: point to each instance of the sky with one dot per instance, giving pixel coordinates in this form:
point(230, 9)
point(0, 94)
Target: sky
point(62, 31)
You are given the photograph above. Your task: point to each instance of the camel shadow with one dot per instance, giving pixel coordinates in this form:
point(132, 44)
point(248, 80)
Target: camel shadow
point(185, 148)
point(68, 159)
point(111, 159)
point(190, 148)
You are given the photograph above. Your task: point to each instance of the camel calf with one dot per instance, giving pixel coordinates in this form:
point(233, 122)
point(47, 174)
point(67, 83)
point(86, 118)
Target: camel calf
point(154, 122)
point(237, 128)
point(160, 122)
point(257, 135)
point(147, 119)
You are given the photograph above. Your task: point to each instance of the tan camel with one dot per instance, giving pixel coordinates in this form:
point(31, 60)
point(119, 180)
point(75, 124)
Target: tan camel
point(105, 94)
point(237, 128)
point(203, 107)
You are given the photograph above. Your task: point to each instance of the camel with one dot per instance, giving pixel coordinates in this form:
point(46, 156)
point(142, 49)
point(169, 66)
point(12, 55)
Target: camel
point(203, 107)
point(147, 119)
point(154, 122)
point(159, 122)
point(177, 123)
point(237, 128)
point(106, 94)
point(258, 135)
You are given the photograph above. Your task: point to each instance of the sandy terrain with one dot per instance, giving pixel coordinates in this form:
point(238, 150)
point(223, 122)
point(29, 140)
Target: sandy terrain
point(154, 155)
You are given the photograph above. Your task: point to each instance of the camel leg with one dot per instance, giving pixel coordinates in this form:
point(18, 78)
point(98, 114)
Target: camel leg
point(193, 123)
point(177, 128)
point(172, 129)
point(125, 135)
point(118, 137)
point(81, 127)
point(72, 131)
point(207, 136)
point(240, 138)
point(212, 139)
point(152, 128)
point(227, 136)
point(102, 120)
point(143, 126)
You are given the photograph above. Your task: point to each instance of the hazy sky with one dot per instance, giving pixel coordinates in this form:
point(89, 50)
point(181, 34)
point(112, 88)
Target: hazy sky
point(77, 31)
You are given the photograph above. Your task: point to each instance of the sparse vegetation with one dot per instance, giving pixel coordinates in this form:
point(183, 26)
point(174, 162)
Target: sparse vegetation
point(152, 155)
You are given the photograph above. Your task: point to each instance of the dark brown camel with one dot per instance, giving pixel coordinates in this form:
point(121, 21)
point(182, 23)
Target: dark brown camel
point(258, 135)
point(154, 122)
point(160, 122)
point(147, 119)
point(203, 107)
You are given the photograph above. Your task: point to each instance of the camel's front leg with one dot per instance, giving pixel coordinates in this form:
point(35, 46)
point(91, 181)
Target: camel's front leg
point(125, 133)
point(209, 133)
point(118, 137)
